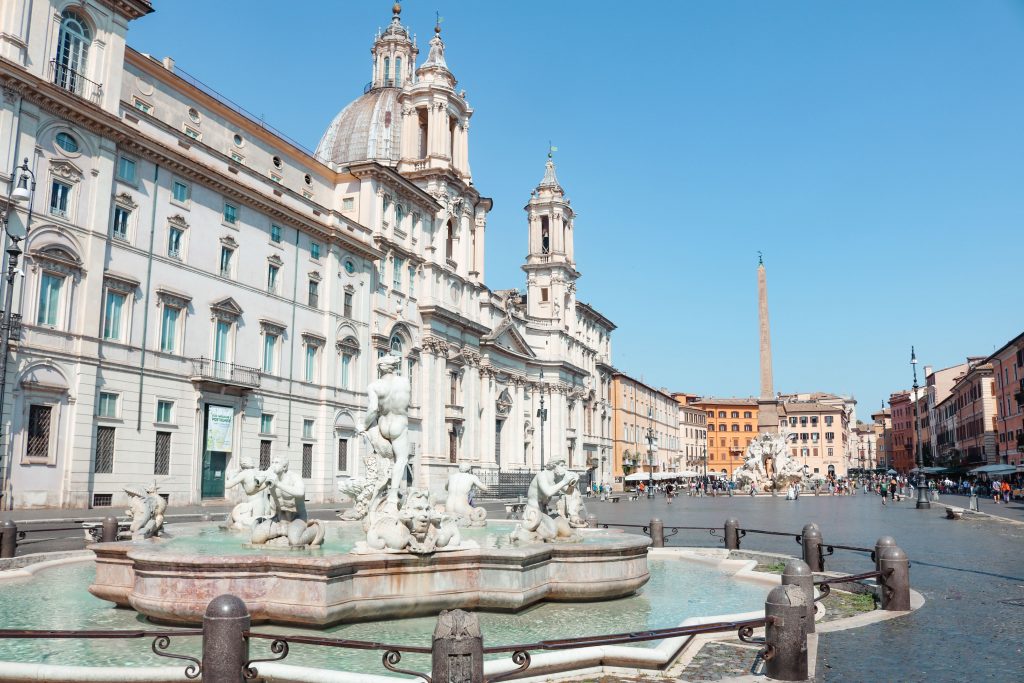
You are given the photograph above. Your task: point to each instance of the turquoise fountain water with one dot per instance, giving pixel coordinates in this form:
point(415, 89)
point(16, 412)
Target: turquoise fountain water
point(56, 598)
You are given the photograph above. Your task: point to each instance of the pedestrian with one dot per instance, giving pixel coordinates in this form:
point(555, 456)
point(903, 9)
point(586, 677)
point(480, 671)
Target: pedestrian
point(996, 493)
point(884, 490)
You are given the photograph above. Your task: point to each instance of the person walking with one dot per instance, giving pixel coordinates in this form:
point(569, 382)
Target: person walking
point(884, 490)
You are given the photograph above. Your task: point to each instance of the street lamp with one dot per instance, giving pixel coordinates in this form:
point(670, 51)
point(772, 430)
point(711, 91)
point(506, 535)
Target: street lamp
point(16, 232)
point(652, 448)
point(542, 415)
point(922, 483)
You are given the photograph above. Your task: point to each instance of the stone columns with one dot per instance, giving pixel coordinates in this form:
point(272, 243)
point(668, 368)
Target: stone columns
point(798, 574)
point(811, 541)
point(732, 534)
point(895, 583)
point(786, 634)
point(225, 648)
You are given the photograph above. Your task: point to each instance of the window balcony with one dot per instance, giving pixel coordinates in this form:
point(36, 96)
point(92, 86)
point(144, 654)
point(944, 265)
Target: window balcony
point(225, 374)
point(453, 413)
point(67, 78)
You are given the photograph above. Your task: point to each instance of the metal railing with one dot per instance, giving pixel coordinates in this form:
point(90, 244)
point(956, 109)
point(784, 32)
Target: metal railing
point(67, 78)
point(225, 373)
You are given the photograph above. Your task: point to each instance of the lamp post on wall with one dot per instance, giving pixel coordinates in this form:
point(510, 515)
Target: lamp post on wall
point(922, 483)
point(16, 232)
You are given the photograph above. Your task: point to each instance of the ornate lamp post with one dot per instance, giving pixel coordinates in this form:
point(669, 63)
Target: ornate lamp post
point(922, 483)
point(15, 232)
point(652, 448)
point(542, 415)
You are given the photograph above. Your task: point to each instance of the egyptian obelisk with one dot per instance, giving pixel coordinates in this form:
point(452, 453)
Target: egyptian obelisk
point(767, 403)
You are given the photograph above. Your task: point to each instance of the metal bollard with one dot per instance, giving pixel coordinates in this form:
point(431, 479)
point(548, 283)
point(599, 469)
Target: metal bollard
point(732, 534)
point(811, 541)
point(880, 545)
point(8, 538)
point(225, 648)
point(457, 650)
point(657, 529)
point(109, 534)
point(798, 574)
point(785, 634)
point(895, 584)
point(591, 521)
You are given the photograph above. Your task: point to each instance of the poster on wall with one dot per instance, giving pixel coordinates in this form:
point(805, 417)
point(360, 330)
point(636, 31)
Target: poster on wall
point(218, 428)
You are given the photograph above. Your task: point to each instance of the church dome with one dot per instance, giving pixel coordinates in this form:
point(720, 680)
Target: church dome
point(367, 129)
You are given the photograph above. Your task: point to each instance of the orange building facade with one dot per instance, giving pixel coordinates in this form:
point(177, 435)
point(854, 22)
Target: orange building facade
point(732, 425)
point(1008, 368)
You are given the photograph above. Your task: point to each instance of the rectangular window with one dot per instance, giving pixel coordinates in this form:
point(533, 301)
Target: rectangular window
point(112, 315)
point(266, 423)
point(237, 158)
point(347, 305)
point(269, 353)
point(38, 442)
point(314, 251)
point(275, 233)
point(307, 461)
point(162, 454)
point(107, 405)
point(828, 420)
point(412, 281)
point(180, 192)
point(104, 461)
point(346, 370)
point(314, 294)
point(126, 170)
point(396, 273)
point(165, 412)
point(119, 231)
point(193, 133)
point(226, 254)
point(49, 299)
point(307, 429)
point(312, 356)
point(348, 204)
point(272, 272)
point(59, 196)
point(230, 213)
point(174, 236)
point(169, 329)
point(276, 178)
point(343, 455)
point(543, 294)
point(830, 452)
point(142, 106)
point(265, 454)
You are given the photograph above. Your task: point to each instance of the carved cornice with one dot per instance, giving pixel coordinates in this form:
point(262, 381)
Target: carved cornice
point(275, 260)
point(272, 327)
point(124, 199)
point(170, 297)
point(435, 346)
point(124, 284)
point(65, 170)
point(178, 221)
point(229, 241)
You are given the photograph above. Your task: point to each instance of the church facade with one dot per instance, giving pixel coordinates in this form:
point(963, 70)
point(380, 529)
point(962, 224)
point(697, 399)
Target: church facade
point(197, 288)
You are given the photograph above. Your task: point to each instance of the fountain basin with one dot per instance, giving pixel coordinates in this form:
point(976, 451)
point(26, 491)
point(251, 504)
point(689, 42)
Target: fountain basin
point(323, 589)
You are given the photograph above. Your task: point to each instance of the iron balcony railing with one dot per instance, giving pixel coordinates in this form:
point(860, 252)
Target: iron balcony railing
point(67, 78)
point(211, 370)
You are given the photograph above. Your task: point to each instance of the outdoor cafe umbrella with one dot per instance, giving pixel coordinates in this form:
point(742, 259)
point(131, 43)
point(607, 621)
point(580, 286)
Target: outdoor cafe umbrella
point(994, 469)
point(891, 472)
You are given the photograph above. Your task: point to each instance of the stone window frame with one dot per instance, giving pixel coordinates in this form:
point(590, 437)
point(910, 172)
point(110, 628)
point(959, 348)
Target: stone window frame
point(126, 286)
point(277, 329)
point(177, 221)
point(314, 341)
point(68, 174)
point(170, 298)
point(55, 259)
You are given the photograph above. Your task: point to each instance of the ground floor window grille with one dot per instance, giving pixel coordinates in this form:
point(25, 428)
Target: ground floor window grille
point(39, 431)
point(102, 500)
point(264, 454)
point(104, 450)
point(162, 461)
point(307, 461)
point(343, 455)
point(453, 447)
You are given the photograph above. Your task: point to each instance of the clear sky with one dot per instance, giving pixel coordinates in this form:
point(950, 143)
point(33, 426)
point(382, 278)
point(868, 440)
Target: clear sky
point(874, 150)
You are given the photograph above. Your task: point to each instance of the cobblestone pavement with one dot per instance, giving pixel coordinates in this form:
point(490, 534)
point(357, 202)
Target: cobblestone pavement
point(970, 571)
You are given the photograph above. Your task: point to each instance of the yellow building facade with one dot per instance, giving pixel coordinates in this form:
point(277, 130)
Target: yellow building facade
point(639, 410)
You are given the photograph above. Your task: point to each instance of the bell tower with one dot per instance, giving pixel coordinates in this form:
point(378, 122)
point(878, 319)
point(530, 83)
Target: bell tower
point(394, 54)
point(550, 263)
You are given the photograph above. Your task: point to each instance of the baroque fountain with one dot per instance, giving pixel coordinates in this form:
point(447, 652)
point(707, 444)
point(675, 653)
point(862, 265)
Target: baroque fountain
point(409, 554)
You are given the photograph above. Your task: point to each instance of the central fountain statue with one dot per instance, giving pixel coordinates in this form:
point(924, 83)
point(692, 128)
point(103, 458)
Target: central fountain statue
point(540, 521)
point(769, 465)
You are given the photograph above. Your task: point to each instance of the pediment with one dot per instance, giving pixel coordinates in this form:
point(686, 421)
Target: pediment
point(65, 170)
point(507, 337)
point(226, 308)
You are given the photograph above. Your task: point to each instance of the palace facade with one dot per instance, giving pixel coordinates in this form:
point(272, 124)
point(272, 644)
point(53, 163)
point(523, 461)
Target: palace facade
point(196, 287)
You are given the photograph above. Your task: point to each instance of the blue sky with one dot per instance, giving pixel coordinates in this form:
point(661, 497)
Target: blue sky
point(874, 150)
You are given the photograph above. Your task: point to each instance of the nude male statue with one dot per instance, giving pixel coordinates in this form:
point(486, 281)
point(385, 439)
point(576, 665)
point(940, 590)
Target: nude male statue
point(288, 496)
point(387, 419)
point(255, 486)
point(459, 486)
point(550, 481)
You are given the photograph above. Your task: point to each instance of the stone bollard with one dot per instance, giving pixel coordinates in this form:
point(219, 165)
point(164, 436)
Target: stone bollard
point(457, 651)
point(591, 521)
point(785, 634)
point(811, 541)
point(657, 529)
point(732, 534)
point(8, 538)
point(798, 574)
point(225, 648)
point(895, 584)
point(109, 534)
point(881, 544)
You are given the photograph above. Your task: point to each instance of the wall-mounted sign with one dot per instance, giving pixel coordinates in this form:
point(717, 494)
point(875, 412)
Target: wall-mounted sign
point(219, 422)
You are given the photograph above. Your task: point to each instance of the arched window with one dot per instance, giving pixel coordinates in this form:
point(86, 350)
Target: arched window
point(72, 51)
point(399, 215)
point(387, 70)
point(398, 71)
point(396, 345)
